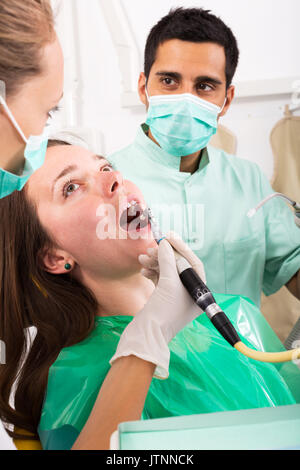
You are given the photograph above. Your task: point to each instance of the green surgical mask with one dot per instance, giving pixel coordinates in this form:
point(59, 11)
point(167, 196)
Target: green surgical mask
point(182, 124)
point(35, 151)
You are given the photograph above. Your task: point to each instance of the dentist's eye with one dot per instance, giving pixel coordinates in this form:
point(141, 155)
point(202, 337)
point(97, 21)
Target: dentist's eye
point(168, 81)
point(52, 112)
point(204, 87)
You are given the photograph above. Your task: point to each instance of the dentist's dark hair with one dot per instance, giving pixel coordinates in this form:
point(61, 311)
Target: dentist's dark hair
point(59, 309)
point(192, 25)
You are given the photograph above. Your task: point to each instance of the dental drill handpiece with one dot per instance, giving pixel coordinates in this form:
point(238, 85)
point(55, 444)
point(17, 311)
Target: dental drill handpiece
point(197, 289)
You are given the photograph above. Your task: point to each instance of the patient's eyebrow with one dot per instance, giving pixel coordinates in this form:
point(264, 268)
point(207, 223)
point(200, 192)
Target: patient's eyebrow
point(71, 168)
point(65, 171)
point(98, 157)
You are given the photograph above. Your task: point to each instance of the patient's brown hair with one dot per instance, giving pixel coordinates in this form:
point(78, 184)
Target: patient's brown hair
point(60, 308)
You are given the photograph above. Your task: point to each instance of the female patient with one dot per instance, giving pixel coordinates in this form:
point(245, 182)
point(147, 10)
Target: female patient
point(80, 289)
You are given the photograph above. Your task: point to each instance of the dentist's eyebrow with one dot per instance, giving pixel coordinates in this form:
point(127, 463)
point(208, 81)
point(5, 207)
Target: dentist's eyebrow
point(206, 78)
point(175, 75)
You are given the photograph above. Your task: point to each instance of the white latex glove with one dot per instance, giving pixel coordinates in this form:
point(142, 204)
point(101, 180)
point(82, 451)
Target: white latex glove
point(169, 309)
point(150, 261)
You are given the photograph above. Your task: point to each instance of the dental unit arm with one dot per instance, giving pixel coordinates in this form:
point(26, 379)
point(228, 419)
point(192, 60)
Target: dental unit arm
point(294, 204)
point(203, 297)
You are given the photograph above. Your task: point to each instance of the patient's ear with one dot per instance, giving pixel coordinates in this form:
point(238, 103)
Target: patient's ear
point(55, 261)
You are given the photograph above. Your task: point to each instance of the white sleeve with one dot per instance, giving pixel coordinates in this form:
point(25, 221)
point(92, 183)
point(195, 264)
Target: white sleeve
point(6, 442)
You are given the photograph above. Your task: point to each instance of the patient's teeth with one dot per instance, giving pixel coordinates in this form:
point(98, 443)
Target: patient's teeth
point(131, 203)
point(131, 210)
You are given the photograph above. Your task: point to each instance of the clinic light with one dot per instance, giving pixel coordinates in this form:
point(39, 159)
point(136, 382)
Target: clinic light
point(204, 298)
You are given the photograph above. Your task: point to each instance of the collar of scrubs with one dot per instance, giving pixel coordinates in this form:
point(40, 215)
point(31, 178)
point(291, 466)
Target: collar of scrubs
point(158, 155)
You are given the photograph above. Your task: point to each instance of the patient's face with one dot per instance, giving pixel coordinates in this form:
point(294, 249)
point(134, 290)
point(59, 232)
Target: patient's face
point(82, 203)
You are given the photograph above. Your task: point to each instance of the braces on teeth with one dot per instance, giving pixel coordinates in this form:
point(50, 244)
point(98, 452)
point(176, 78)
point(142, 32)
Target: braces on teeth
point(130, 206)
point(131, 209)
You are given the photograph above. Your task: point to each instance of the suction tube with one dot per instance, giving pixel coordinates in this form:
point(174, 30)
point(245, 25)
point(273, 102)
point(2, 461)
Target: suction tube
point(203, 297)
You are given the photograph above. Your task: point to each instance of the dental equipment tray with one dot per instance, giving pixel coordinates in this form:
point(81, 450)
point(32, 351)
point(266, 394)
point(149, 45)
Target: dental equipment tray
point(256, 429)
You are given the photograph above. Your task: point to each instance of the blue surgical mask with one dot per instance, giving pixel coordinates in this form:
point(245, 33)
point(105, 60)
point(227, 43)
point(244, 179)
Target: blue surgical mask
point(35, 151)
point(182, 124)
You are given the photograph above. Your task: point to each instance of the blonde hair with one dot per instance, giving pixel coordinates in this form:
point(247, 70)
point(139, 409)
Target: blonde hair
point(26, 26)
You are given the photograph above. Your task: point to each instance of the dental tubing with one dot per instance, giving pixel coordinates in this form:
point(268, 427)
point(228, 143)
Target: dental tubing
point(203, 297)
point(294, 204)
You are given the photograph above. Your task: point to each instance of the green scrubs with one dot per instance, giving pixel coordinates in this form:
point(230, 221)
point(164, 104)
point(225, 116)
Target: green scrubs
point(206, 374)
point(208, 209)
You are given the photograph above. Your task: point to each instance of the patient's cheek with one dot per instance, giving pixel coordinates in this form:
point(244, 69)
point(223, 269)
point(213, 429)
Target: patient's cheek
point(71, 229)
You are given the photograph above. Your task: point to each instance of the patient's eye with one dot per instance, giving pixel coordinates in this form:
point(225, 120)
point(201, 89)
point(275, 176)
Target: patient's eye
point(107, 167)
point(69, 189)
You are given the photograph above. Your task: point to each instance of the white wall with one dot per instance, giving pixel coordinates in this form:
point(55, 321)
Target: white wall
point(269, 46)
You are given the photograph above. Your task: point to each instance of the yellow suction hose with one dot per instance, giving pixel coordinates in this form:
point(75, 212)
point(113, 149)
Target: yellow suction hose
point(284, 356)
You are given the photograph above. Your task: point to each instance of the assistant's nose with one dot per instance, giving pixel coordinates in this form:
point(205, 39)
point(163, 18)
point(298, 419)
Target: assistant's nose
point(111, 183)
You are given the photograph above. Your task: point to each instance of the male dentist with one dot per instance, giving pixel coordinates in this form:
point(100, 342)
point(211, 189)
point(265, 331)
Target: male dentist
point(203, 193)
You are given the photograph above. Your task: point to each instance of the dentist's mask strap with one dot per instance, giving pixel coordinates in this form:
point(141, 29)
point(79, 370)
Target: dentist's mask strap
point(182, 124)
point(12, 119)
point(34, 154)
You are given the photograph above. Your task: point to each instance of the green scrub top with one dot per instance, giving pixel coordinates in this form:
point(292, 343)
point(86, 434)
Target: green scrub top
point(206, 374)
point(208, 209)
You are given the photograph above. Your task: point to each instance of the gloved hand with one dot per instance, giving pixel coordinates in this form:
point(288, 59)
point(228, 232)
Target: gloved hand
point(169, 309)
point(150, 261)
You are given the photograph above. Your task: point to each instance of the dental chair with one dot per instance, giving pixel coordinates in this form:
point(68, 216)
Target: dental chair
point(27, 444)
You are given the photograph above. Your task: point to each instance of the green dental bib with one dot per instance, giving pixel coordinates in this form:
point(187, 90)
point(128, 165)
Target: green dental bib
point(206, 373)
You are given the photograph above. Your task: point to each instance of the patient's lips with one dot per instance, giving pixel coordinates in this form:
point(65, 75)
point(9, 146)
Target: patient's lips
point(133, 217)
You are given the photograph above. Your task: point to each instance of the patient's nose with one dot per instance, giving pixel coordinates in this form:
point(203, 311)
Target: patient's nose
point(112, 184)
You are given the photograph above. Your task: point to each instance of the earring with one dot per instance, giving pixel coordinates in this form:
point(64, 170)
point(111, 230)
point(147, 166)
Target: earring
point(68, 266)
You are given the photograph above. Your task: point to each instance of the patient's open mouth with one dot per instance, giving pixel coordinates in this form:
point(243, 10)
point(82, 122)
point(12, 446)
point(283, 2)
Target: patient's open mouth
point(134, 217)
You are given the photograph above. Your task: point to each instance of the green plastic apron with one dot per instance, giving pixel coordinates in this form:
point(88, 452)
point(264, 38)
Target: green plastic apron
point(206, 373)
